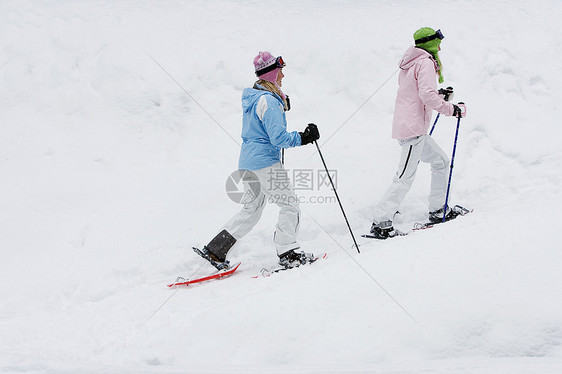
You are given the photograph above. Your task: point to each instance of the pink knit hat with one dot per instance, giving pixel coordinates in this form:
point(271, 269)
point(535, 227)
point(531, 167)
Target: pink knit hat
point(267, 66)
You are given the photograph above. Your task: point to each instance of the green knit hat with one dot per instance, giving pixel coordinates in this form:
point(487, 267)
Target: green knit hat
point(429, 39)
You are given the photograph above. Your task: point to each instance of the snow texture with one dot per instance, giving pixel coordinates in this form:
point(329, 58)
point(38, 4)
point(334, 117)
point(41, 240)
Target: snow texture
point(120, 123)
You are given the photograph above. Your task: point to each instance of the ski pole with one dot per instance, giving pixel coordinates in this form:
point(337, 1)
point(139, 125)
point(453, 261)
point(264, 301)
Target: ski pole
point(434, 123)
point(337, 197)
point(451, 171)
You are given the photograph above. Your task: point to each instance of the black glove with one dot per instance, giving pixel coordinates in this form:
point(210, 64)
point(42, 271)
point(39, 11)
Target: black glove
point(459, 110)
point(447, 93)
point(310, 134)
point(456, 111)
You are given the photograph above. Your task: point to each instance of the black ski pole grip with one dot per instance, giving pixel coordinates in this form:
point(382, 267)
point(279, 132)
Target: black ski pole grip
point(460, 113)
point(448, 94)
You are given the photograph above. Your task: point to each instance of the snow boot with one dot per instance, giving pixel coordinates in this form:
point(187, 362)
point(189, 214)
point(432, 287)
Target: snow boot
point(383, 230)
point(218, 248)
point(293, 259)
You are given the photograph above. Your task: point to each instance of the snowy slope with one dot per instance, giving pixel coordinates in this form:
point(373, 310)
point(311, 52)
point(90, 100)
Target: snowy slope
point(120, 122)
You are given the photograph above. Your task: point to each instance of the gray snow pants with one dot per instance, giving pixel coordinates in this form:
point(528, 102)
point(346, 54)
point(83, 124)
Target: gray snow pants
point(421, 148)
point(275, 187)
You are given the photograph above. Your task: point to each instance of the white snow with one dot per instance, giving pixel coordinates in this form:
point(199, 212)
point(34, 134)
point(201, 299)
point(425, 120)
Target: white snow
point(120, 122)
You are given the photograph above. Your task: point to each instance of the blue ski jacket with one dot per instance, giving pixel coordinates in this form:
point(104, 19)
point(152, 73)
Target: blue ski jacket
point(264, 130)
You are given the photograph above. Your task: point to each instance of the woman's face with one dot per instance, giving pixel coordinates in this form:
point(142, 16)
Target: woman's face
point(280, 76)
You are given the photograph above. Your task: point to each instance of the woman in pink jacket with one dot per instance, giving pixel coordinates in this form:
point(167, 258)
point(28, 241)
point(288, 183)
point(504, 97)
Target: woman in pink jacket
point(417, 97)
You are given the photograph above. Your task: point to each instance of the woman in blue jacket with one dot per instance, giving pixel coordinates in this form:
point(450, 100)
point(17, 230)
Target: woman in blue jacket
point(264, 135)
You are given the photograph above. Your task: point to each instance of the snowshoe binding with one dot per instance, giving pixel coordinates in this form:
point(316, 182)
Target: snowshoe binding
point(292, 259)
point(215, 252)
point(436, 216)
point(382, 230)
point(213, 260)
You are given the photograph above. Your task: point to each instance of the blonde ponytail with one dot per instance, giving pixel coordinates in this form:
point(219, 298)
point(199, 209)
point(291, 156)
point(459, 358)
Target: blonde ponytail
point(272, 87)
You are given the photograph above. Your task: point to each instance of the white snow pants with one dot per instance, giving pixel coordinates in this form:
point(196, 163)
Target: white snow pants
point(275, 187)
point(421, 148)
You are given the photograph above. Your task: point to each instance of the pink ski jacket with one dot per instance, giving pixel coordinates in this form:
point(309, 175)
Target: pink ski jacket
point(417, 95)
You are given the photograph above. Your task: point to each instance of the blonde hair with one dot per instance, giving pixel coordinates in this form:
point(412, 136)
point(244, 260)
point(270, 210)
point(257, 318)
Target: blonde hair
point(272, 87)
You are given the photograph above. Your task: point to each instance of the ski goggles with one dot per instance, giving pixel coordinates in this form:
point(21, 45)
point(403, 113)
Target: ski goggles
point(438, 35)
point(279, 63)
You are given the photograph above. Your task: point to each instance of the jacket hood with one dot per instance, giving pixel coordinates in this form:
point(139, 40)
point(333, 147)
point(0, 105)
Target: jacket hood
point(251, 95)
point(413, 55)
